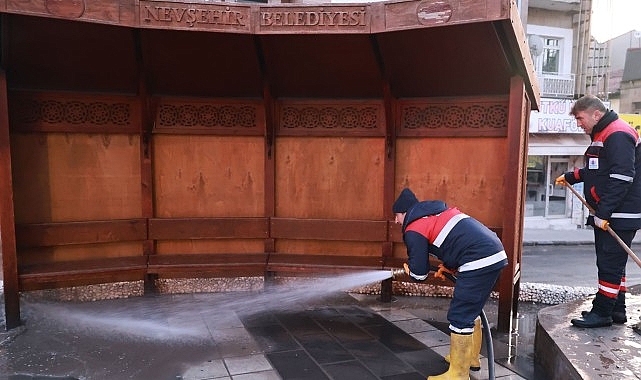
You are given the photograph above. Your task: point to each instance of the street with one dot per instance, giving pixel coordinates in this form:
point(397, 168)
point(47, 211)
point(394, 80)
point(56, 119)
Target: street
point(568, 265)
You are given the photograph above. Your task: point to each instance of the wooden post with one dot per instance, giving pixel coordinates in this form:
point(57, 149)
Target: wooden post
point(512, 236)
point(388, 171)
point(146, 152)
point(386, 290)
point(270, 162)
point(8, 254)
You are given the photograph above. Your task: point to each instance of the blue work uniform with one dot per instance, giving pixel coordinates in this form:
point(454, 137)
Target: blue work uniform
point(612, 188)
point(464, 245)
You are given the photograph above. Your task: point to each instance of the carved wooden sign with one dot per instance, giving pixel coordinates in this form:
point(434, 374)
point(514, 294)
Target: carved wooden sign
point(336, 19)
point(176, 15)
point(66, 8)
point(207, 15)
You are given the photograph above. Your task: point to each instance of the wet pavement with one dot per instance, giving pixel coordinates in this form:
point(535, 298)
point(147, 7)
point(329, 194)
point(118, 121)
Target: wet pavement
point(342, 336)
point(339, 336)
point(599, 353)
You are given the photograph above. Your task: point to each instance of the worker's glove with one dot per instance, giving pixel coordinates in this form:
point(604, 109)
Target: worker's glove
point(442, 271)
point(602, 224)
point(560, 180)
point(406, 268)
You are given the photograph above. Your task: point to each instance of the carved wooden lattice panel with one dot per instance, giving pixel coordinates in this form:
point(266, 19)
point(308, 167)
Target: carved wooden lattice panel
point(57, 112)
point(198, 116)
point(331, 118)
point(452, 117)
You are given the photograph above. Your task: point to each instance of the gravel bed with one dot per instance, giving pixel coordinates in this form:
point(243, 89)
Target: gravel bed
point(529, 292)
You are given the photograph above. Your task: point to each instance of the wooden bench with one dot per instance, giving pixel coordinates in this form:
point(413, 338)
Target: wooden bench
point(208, 265)
point(82, 272)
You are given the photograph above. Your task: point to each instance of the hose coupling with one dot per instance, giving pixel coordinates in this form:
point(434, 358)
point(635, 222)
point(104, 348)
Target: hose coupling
point(398, 272)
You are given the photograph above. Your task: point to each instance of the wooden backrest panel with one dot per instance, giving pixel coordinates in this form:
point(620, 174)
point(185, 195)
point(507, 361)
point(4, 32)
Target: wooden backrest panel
point(60, 177)
point(208, 176)
point(467, 173)
point(329, 178)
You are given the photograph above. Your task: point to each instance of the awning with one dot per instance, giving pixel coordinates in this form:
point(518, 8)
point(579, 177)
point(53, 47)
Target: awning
point(558, 144)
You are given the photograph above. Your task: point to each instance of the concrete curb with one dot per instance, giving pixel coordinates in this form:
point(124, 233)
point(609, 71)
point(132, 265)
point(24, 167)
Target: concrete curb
point(566, 243)
point(553, 242)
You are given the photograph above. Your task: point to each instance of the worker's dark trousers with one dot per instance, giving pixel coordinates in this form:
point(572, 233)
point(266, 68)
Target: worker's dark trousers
point(611, 259)
point(472, 290)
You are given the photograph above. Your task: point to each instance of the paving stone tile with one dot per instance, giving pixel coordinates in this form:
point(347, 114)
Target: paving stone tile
point(432, 338)
point(325, 349)
point(247, 364)
point(441, 350)
point(361, 316)
point(396, 315)
point(378, 358)
point(499, 371)
point(212, 369)
point(426, 361)
point(394, 338)
point(296, 365)
point(258, 319)
point(235, 342)
point(349, 370)
point(343, 329)
point(264, 375)
point(405, 376)
point(221, 320)
point(271, 338)
point(414, 325)
point(299, 324)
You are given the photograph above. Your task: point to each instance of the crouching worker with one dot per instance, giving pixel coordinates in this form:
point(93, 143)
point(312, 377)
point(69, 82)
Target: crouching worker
point(466, 247)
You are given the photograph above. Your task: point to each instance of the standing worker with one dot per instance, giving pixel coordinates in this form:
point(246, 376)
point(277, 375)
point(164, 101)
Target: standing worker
point(612, 188)
point(465, 246)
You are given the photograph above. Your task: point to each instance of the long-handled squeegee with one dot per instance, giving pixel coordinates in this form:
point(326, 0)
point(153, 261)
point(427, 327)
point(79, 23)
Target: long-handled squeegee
point(610, 230)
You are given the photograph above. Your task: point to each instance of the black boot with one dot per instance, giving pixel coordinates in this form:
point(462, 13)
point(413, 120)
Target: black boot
point(592, 319)
point(618, 313)
point(618, 317)
point(599, 316)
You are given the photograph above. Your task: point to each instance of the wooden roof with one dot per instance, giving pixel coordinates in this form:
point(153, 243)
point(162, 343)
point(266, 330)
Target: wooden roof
point(221, 49)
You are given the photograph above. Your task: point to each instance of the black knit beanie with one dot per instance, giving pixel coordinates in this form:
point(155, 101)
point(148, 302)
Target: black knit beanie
point(404, 201)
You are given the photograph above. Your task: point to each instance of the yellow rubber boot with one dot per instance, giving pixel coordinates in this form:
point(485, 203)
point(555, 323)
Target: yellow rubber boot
point(460, 356)
point(477, 341)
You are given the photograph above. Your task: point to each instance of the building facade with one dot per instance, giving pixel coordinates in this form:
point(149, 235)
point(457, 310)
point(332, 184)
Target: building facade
point(559, 39)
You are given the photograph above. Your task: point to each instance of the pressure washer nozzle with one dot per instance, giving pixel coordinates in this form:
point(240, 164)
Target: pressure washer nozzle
point(397, 272)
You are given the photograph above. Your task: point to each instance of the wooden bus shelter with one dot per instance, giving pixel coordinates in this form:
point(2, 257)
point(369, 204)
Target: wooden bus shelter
point(144, 139)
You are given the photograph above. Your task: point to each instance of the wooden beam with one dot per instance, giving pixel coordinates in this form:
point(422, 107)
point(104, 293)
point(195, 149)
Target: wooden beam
point(7, 219)
point(293, 263)
point(68, 233)
point(324, 229)
point(208, 228)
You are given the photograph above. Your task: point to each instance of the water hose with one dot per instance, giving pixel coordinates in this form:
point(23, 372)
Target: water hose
point(487, 334)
